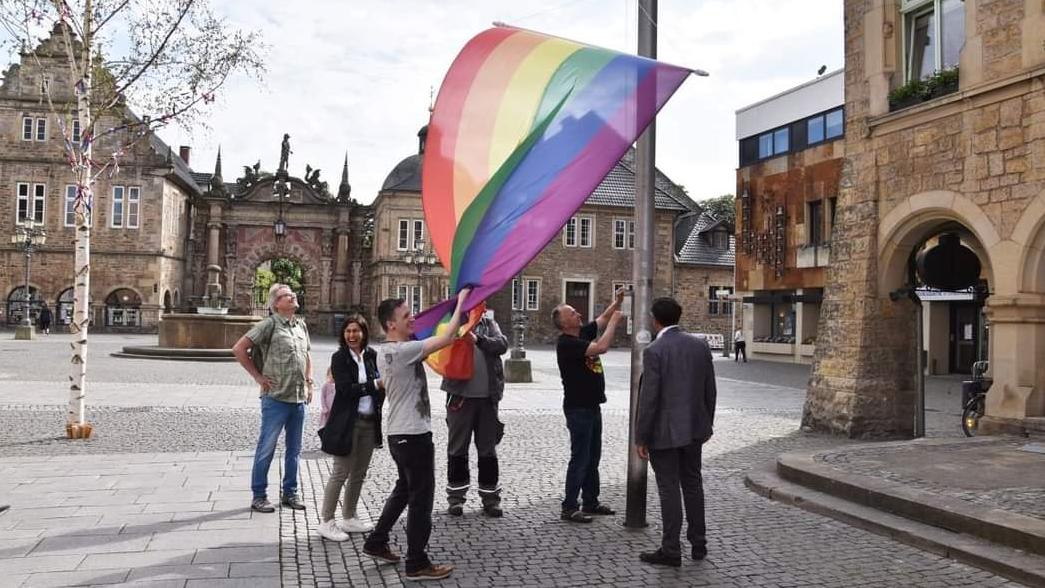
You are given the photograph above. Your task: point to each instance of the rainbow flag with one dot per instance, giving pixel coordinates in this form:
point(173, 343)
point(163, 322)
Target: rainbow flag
point(523, 130)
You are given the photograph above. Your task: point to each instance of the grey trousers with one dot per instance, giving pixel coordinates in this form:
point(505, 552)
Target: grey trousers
point(465, 417)
point(349, 472)
point(679, 468)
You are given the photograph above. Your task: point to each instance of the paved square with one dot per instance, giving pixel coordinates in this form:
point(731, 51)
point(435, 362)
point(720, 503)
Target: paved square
point(160, 495)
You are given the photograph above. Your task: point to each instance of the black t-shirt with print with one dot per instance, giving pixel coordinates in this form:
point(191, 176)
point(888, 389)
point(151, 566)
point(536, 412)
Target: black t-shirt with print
point(583, 383)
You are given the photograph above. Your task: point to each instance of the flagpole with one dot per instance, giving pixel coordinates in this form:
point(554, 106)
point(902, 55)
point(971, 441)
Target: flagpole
point(642, 273)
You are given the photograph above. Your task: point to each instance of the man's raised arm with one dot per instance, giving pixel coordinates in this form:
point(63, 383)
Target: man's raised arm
point(437, 342)
point(604, 318)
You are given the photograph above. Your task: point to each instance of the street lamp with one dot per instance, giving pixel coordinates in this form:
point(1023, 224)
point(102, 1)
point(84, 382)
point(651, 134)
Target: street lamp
point(27, 237)
point(281, 192)
point(419, 260)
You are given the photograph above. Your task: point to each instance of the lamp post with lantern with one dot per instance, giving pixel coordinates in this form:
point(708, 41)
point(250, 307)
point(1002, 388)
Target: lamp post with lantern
point(419, 259)
point(28, 236)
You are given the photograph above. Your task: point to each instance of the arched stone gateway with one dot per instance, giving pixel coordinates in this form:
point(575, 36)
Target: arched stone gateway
point(238, 226)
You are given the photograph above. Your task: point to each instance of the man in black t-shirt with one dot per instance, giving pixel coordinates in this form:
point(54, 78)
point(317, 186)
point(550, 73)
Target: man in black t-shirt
point(584, 389)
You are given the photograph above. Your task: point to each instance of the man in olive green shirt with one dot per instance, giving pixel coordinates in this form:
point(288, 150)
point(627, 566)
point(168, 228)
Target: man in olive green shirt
point(286, 387)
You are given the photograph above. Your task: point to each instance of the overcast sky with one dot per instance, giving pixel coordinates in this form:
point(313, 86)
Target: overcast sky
point(355, 76)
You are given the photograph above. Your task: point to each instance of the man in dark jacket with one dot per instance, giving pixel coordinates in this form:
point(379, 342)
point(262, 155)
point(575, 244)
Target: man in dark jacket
point(471, 408)
point(676, 411)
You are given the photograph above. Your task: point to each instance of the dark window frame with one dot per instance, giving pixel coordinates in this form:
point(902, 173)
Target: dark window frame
point(798, 138)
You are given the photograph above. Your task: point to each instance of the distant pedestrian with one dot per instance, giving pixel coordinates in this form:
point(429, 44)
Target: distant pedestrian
point(409, 436)
point(676, 412)
point(280, 362)
point(584, 389)
point(739, 346)
point(471, 408)
point(349, 427)
point(45, 320)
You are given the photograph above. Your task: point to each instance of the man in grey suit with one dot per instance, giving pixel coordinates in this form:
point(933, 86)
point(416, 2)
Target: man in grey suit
point(675, 416)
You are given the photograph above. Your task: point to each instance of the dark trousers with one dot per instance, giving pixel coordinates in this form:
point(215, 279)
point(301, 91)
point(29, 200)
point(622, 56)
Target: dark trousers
point(465, 417)
point(739, 348)
point(679, 468)
point(582, 475)
point(414, 456)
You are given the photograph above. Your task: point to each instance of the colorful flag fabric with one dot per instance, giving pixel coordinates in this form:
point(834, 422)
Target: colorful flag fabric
point(523, 130)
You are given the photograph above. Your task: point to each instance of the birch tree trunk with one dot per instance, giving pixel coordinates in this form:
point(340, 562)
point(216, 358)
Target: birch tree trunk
point(83, 211)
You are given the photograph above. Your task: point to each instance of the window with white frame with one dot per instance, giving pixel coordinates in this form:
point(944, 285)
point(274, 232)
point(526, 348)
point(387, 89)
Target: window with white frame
point(404, 235)
point(74, 126)
point(586, 236)
point(526, 294)
point(580, 231)
point(30, 202)
point(718, 300)
point(517, 294)
point(27, 128)
point(403, 292)
point(70, 206)
point(623, 234)
point(41, 129)
point(418, 234)
point(133, 206)
point(569, 236)
point(415, 300)
point(934, 33)
point(117, 206)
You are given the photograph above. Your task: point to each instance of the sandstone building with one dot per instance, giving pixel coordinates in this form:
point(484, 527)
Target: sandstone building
point(961, 154)
point(140, 214)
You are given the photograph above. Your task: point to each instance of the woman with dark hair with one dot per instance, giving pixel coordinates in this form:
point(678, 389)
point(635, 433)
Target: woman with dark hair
point(350, 427)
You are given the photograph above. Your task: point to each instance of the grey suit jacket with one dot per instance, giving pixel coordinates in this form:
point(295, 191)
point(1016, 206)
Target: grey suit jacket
point(677, 391)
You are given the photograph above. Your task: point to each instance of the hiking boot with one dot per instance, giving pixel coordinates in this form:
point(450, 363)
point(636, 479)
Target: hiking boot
point(455, 510)
point(493, 511)
point(262, 505)
point(292, 502)
point(432, 572)
point(383, 554)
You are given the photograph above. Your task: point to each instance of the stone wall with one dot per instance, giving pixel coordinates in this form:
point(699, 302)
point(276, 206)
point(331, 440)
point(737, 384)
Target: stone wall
point(970, 162)
point(691, 291)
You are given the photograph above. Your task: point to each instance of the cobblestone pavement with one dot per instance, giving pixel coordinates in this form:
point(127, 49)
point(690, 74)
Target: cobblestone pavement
point(999, 473)
point(752, 541)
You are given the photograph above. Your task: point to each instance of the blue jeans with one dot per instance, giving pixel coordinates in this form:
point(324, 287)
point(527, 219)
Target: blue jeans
point(582, 475)
point(275, 417)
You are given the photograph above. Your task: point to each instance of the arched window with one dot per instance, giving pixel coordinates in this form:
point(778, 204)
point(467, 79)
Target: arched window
point(167, 303)
point(123, 308)
point(64, 316)
point(16, 304)
point(177, 299)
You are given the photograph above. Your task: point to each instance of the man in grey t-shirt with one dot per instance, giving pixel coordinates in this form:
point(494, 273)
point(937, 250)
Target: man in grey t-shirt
point(409, 428)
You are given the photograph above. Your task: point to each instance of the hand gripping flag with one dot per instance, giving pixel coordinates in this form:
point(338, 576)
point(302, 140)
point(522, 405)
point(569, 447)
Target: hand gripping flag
point(523, 130)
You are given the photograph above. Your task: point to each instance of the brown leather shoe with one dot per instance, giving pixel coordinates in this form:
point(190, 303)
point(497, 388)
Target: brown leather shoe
point(432, 572)
point(382, 553)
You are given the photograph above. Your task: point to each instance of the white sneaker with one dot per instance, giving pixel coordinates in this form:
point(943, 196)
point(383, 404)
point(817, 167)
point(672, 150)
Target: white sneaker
point(329, 530)
point(354, 525)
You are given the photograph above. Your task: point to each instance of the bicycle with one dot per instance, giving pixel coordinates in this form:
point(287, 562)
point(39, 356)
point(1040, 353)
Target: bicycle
point(974, 394)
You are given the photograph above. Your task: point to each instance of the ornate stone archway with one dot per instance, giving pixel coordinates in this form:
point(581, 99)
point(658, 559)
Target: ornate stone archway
point(233, 232)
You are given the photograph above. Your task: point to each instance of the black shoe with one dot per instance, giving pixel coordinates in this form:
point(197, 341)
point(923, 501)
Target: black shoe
point(382, 553)
point(455, 510)
point(699, 553)
point(601, 509)
point(292, 502)
point(262, 505)
point(575, 516)
point(493, 511)
point(659, 559)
